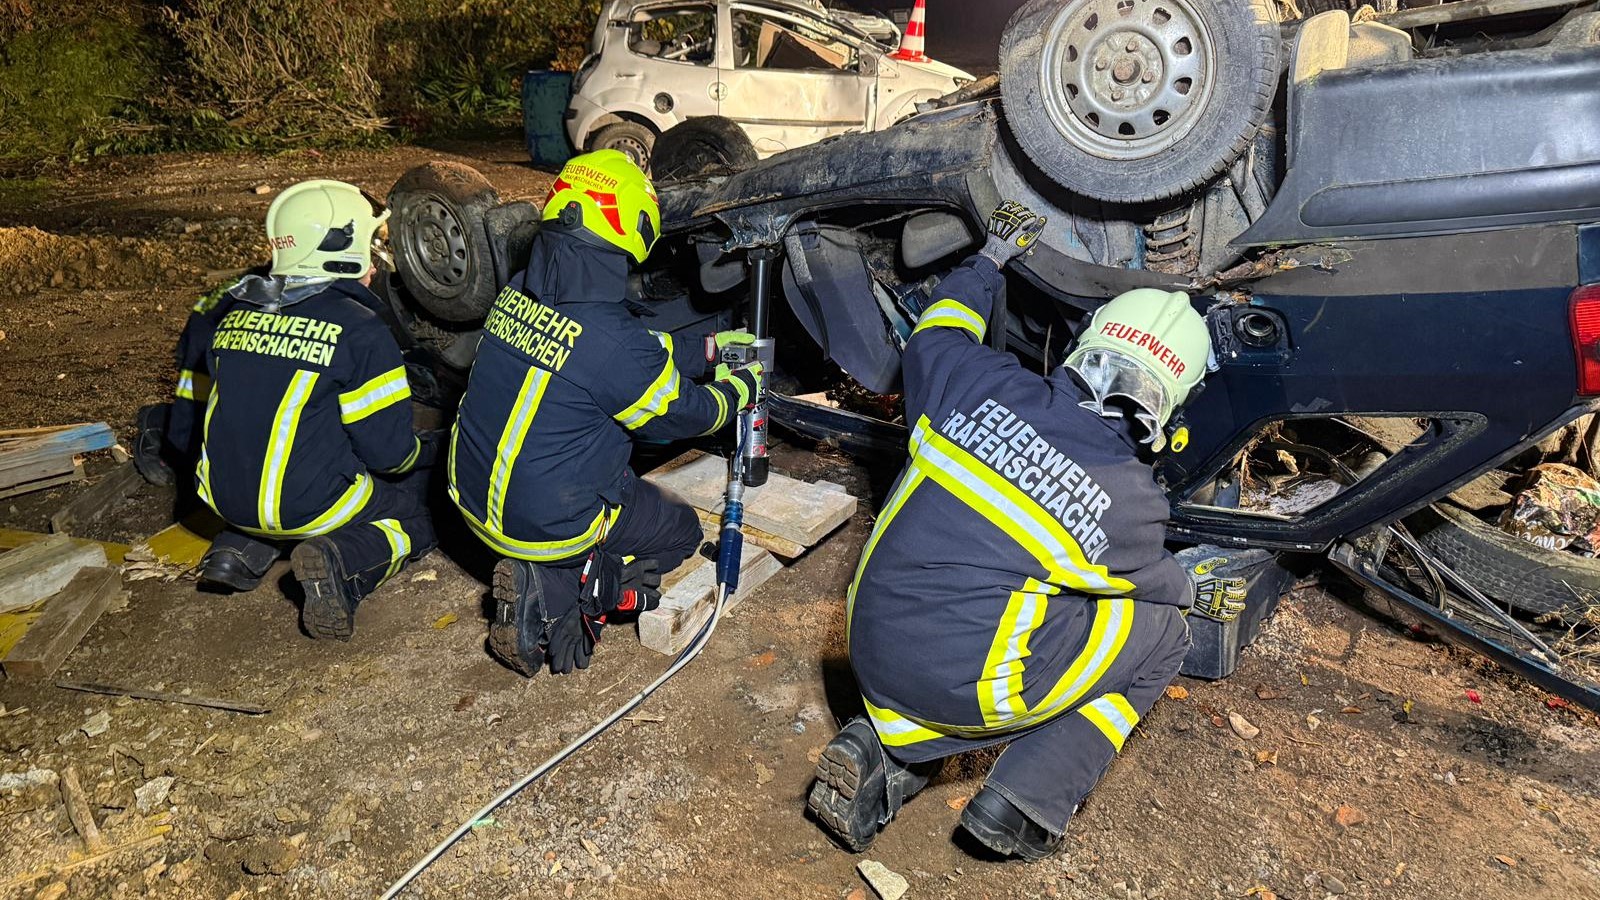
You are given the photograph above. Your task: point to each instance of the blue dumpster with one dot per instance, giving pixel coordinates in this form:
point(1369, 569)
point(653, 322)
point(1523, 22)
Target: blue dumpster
point(544, 109)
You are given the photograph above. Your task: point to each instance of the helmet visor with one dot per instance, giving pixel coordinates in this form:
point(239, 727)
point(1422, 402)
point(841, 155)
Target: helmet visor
point(1111, 377)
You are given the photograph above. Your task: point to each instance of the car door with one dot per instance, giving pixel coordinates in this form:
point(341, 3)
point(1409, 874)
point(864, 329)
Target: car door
point(793, 79)
point(666, 63)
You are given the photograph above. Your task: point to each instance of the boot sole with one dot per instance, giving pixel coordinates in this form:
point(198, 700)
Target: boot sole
point(324, 615)
point(504, 635)
point(832, 798)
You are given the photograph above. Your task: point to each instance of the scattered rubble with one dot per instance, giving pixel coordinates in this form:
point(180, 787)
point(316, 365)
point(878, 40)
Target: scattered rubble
point(887, 884)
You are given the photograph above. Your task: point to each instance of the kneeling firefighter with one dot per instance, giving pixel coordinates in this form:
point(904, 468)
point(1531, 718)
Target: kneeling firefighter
point(1016, 587)
point(307, 436)
point(566, 375)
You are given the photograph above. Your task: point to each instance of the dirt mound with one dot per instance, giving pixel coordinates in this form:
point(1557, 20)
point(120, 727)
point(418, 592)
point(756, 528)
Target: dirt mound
point(32, 260)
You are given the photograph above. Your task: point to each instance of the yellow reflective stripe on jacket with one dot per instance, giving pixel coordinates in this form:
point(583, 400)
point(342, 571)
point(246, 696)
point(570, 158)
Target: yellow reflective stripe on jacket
point(280, 442)
point(529, 398)
point(347, 507)
point(658, 397)
point(1008, 508)
point(455, 434)
point(539, 551)
point(192, 385)
point(411, 460)
point(951, 314)
point(203, 470)
point(1000, 687)
point(1112, 621)
point(399, 545)
point(380, 393)
point(1114, 716)
point(895, 730)
point(902, 492)
point(722, 410)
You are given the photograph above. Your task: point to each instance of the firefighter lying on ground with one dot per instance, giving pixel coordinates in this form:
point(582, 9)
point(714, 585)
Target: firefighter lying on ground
point(1016, 587)
point(304, 417)
point(566, 375)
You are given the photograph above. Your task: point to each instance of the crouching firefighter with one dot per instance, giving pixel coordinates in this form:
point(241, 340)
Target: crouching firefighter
point(307, 437)
point(565, 377)
point(1016, 588)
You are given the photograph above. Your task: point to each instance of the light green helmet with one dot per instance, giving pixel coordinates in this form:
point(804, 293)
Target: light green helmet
point(1148, 347)
point(323, 229)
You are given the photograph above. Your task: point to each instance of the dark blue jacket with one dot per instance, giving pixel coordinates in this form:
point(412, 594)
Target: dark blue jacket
point(303, 405)
point(1021, 517)
point(565, 377)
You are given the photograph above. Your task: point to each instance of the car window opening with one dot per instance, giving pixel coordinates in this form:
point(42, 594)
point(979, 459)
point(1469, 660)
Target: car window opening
point(763, 42)
point(684, 34)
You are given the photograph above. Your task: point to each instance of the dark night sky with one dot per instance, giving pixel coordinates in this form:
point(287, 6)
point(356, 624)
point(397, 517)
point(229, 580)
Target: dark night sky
point(964, 33)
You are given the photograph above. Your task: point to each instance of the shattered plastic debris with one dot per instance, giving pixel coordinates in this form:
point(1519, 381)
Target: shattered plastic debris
point(1559, 510)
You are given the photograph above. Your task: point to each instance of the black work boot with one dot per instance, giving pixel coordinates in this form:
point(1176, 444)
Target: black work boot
point(227, 570)
point(519, 625)
point(859, 789)
point(329, 612)
point(999, 825)
point(150, 445)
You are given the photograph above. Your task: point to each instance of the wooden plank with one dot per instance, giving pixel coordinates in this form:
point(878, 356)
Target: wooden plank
point(688, 603)
point(712, 523)
point(101, 496)
point(12, 538)
point(27, 479)
point(37, 570)
point(67, 618)
point(790, 509)
point(84, 438)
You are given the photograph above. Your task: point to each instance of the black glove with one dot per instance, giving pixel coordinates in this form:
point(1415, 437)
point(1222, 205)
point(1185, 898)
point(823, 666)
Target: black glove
point(1012, 230)
point(569, 642)
point(613, 584)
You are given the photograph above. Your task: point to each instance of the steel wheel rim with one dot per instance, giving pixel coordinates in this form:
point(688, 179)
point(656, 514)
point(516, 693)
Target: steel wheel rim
point(1127, 79)
point(632, 148)
point(437, 245)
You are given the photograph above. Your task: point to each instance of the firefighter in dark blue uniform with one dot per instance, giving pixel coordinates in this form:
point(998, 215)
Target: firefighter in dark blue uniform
point(306, 435)
point(1016, 588)
point(565, 377)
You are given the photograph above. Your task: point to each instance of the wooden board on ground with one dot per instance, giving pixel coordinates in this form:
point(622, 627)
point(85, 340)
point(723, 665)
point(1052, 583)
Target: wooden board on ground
point(33, 459)
point(793, 510)
point(787, 549)
point(690, 596)
point(100, 497)
point(183, 543)
point(12, 538)
point(35, 571)
point(67, 618)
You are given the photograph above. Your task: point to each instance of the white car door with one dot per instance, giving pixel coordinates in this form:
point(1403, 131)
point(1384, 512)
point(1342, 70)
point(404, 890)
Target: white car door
point(793, 80)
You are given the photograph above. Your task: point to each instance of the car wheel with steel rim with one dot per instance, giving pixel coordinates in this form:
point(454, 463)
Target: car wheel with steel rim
point(630, 138)
point(1131, 101)
point(436, 233)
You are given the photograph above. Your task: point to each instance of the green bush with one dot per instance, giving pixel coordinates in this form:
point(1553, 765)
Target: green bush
point(135, 75)
point(70, 85)
point(272, 73)
point(452, 64)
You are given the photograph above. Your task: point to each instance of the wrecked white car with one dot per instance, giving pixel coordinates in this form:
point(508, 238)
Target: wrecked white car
point(781, 71)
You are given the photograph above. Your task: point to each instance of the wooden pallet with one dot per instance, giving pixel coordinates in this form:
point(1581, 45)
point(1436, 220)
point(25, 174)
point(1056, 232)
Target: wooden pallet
point(33, 459)
point(783, 518)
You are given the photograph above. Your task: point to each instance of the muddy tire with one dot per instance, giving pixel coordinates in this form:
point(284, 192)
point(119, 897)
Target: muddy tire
point(635, 141)
point(707, 145)
point(1132, 101)
point(436, 233)
point(1531, 579)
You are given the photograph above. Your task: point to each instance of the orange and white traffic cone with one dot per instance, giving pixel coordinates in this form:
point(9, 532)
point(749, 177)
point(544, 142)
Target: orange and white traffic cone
point(914, 42)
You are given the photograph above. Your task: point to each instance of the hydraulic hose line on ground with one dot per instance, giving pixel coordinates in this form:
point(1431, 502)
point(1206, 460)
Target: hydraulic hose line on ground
point(684, 658)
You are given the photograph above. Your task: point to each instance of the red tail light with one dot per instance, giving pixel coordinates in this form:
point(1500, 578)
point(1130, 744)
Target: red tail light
point(1586, 337)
